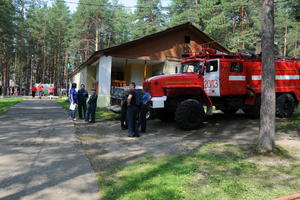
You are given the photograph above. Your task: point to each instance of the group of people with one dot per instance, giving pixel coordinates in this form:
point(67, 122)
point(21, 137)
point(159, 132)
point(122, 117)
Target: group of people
point(134, 109)
point(39, 90)
point(10, 91)
point(79, 100)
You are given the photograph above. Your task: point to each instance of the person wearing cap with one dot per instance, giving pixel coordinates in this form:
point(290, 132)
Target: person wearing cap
point(91, 111)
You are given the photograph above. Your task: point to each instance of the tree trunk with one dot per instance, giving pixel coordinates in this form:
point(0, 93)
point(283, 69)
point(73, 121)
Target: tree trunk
point(285, 40)
point(266, 139)
point(97, 34)
point(242, 19)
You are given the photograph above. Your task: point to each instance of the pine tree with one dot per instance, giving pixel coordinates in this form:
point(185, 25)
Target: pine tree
point(148, 17)
point(7, 33)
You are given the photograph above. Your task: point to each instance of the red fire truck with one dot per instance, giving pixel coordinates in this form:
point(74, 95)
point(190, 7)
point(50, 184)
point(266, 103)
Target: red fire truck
point(228, 81)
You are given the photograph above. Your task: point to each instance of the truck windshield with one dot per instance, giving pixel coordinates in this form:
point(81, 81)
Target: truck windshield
point(194, 66)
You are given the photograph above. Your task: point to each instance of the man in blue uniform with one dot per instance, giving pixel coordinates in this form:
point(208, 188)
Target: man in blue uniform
point(144, 109)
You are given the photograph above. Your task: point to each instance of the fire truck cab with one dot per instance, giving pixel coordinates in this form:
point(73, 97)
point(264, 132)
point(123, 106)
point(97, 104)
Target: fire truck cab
point(227, 81)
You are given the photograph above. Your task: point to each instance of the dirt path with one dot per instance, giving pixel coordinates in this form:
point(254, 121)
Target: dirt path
point(107, 146)
point(40, 157)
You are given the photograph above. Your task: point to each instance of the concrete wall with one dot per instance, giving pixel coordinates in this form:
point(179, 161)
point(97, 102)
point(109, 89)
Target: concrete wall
point(104, 81)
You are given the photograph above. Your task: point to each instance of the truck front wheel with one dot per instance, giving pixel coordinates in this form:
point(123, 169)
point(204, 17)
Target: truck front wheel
point(285, 105)
point(189, 114)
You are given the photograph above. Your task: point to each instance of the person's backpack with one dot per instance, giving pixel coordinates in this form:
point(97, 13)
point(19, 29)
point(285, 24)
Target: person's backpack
point(138, 97)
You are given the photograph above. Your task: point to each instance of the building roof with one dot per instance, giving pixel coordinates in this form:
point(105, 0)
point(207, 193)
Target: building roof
point(97, 54)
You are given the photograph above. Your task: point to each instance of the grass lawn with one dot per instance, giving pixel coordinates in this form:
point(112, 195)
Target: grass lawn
point(6, 103)
point(216, 171)
point(289, 125)
point(101, 113)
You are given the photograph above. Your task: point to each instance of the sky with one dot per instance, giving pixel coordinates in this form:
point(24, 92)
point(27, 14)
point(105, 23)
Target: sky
point(73, 3)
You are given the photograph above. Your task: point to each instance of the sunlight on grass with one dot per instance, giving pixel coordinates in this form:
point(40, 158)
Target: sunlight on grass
point(101, 113)
point(6, 103)
point(215, 172)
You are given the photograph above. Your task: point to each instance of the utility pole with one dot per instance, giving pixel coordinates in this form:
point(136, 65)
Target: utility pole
point(266, 139)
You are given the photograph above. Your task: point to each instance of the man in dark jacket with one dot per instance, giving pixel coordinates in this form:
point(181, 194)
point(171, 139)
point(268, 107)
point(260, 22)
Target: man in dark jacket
point(132, 112)
point(82, 97)
point(92, 107)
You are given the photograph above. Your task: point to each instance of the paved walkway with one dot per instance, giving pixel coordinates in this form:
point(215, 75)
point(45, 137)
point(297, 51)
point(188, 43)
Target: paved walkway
point(40, 157)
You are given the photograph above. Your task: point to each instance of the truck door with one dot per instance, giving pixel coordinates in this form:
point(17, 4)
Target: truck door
point(236, 84)
point(212, 78)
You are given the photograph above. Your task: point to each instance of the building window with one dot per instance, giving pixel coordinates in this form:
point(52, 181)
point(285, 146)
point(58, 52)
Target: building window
point(187, 39)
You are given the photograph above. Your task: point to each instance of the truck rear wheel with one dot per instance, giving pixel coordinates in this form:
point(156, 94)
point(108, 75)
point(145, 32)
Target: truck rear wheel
point(189, 114)
point(285, 105)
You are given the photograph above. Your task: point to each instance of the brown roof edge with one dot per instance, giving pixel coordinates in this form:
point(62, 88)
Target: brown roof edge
point(97, 54)
point(188, 25)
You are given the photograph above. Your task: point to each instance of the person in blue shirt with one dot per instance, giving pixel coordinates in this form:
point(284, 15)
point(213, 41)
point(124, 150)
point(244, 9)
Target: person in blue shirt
point(145, 100)
point(73, 98)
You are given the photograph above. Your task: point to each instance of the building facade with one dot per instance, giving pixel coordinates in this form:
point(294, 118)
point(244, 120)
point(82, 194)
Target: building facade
point(134, 61)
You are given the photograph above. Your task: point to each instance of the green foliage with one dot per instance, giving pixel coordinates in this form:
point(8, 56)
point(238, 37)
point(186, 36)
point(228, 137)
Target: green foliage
point(7, 31)
point(217, 171)
point(6, 103)
point(148, 17)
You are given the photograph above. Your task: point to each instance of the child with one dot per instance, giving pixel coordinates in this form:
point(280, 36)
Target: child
point(51, 91)
point(92, 107)
point(33, 91)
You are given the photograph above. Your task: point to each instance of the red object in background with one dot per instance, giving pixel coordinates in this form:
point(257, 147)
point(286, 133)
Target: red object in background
point(33, 89)
point(51, 89)
point(40, 87)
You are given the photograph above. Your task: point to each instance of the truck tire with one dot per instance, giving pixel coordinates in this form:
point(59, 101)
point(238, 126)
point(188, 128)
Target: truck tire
point(285, 105)
point(189, 114)
point(165, 116)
